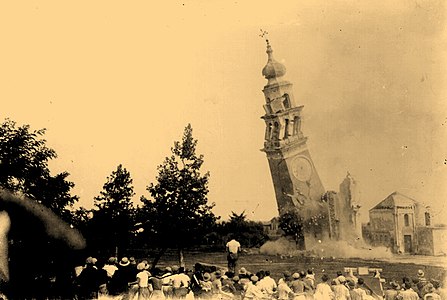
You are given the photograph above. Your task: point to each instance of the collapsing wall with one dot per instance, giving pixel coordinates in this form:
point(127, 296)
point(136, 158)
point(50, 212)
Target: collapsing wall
point(343, 210)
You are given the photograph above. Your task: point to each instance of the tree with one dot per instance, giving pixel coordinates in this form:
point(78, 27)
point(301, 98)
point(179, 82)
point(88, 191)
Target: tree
point(24, 171)
point(113, 218)
point(24, 158)
point(179, 212)
point(292, 225)
point(248, 233)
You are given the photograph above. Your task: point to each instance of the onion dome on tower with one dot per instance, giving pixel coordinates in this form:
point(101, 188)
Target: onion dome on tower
point(272, 69)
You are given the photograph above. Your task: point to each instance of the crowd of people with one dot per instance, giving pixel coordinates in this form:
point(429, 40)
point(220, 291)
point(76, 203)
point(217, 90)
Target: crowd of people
point(130, 280)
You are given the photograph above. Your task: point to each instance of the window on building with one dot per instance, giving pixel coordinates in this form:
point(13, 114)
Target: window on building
point(296, 125)
point(286, 101)
point(427, 219)
point(275, 131)
point(269, 131)
point(406, 220)
point(286, 129)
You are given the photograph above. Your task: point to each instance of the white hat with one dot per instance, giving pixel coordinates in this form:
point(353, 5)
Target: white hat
point(124, 262)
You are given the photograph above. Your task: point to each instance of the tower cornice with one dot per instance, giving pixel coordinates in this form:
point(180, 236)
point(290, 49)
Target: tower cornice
point(283, 113)
point(286, 146)
point(276, 84)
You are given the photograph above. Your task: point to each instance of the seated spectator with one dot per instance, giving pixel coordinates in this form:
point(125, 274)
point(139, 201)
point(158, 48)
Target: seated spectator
point(310, 276)
point(267, 284)
point(157, 285)
point(217, 283)
point(119, 283)
point(110, 267)
point(286, 277)
point(144, 292)
point(431, 295)
point(238, 287)
point(440, 290)
point(323, 291)
point(207, 286)
point(421, 277)
point(228, 283)
point(243, 273)
point(167, 282)
point(392, 291)
point(297, 287)
point(88, 281)
point(408, 293)
point(180, 283)
point(284, 291)
point(252, 292)
point(341, 292)
point(196, 278)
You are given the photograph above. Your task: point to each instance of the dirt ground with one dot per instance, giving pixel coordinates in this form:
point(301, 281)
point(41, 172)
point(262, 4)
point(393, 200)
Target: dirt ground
point(393, 269)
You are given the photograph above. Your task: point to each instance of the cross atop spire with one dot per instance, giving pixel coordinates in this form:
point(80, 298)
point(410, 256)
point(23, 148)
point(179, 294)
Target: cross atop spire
point(263, 34)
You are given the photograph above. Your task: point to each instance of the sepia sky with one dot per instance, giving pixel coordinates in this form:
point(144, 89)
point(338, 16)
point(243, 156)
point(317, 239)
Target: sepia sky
point(116, 82)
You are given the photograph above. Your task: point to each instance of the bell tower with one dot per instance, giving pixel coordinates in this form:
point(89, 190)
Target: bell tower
point(295, 179)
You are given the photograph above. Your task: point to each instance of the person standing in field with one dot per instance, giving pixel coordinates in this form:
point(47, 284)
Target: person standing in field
point(233, 248)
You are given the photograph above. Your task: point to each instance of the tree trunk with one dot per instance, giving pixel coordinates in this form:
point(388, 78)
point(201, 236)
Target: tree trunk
point(158, 256)
point(181, 258)
point(300, 242)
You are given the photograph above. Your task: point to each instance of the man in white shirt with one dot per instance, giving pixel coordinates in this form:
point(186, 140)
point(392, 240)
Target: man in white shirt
point(284, 291)
point(408, 293)
point(252, 291)
point(233, 249)
point(341, 292)
point(180, 283)
point(110, 267)
point(323, 291)
point(267, 284)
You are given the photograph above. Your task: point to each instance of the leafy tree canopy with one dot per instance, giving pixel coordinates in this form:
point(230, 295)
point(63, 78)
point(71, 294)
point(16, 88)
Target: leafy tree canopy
point(24, 158)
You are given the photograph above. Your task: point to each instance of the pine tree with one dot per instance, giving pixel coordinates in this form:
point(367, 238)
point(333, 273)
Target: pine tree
point(180, 211)
point(113, 218)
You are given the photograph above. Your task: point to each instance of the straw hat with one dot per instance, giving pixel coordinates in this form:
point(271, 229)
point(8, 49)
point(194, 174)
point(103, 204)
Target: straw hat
point(206, 276)
point(141, 266)
point(124, 262)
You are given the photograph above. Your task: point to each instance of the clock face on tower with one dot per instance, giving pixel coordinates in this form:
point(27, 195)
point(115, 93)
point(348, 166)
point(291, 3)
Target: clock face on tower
point(301, 168)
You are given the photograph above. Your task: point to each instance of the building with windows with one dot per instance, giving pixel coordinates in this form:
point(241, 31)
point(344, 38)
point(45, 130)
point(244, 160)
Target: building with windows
point(404, 225)
point(271, 228)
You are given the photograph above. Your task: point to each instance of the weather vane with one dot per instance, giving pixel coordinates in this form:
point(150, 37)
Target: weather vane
point(264, 34)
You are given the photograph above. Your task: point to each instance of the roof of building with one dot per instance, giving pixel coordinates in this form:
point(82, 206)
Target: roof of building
point(267, 223)
point(395, 199)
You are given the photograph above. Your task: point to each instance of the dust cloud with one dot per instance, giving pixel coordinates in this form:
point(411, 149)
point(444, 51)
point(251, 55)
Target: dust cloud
point(325, 249)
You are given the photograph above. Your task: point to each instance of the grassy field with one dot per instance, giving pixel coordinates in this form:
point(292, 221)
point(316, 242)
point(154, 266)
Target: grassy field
point(277, 265)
